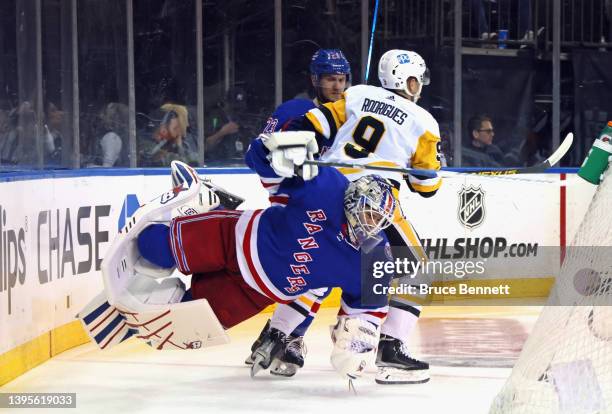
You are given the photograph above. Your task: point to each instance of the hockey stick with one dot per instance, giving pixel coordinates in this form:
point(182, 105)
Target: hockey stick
point(538, 168)
point(367, 71)
point(554, 158)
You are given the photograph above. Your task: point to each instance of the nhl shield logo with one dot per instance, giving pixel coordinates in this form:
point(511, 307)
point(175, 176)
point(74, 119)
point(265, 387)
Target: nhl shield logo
point(471, 206)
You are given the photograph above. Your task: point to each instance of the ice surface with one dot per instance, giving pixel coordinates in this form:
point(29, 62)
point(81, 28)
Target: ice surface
point(471, 349)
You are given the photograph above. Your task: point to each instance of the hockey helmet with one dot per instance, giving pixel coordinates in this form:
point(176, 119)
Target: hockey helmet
point(330, 61)
point(368, 205)
point(397, 66)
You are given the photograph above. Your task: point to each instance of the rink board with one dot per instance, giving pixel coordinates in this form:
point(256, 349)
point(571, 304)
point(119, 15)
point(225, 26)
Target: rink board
point(56, 227)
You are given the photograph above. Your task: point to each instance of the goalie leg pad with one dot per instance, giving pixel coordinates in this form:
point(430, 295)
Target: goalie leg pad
point(186, 325)
point(104, 324)
point(355, 343)
point(122, 257)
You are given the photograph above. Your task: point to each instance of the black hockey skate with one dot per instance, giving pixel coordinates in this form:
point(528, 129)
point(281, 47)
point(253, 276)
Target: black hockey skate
point(292, 358)
point(263, 335)
point(395, 366)
point(271, 347)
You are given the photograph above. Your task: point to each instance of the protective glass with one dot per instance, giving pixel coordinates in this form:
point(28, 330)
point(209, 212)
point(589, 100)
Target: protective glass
point(426, 77)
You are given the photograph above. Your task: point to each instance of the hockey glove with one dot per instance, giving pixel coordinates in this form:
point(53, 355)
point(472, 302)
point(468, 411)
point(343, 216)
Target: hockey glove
point(289, 150)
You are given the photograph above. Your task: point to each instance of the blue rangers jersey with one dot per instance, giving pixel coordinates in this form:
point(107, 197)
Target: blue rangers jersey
point(299, 243)
point(288, 116)
point(286, 112)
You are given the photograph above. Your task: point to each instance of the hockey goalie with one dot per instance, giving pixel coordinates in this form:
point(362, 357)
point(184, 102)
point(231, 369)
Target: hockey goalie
point(323, 234)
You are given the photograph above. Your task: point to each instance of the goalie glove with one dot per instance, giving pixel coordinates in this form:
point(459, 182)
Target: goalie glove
point(206, 199)
point(355, 343)
point(289, 150)
point(211, 196)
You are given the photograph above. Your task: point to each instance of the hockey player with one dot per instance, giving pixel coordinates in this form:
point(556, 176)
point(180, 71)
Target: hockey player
point(330, 74)
point(355, 132)
point(241, 261)
point(384, 126)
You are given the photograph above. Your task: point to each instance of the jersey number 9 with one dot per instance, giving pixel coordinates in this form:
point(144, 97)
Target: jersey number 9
point(367, 134)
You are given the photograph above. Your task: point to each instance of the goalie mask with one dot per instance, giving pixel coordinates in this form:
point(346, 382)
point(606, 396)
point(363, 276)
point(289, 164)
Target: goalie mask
point(368, 205)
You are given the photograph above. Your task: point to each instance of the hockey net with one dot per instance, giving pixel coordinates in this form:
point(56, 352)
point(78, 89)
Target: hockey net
point(566, 363)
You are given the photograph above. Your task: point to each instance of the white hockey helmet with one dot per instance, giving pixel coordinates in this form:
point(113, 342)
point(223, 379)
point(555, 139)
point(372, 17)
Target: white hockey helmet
point(397, 66)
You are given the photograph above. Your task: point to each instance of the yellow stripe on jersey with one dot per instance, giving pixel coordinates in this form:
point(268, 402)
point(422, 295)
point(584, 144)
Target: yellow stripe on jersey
point(405, 228)
point(315, 122)
point(426, 188)
point(328, 118)
point(338, 110)
point(306, 301)
point(425, 156)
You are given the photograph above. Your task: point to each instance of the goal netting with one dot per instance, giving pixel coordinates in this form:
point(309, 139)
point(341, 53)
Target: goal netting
point(566, 363)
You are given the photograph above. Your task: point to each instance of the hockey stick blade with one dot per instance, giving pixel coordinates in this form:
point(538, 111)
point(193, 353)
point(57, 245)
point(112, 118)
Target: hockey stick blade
point(534, 169)
point(538, 168)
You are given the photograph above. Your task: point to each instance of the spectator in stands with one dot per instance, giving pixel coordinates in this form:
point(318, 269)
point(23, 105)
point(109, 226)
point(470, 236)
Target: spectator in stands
point(166, 143)
point(110, 150)
point(225, 137)
point(481, 15)
point(20, 143)
point(52, 136)
point(525, 22)
point(480, 19)
point(480, 150)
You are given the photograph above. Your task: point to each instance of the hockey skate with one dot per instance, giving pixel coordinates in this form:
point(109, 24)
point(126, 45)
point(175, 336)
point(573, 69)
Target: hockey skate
point(291, 359)
point(395, 366)
point(263, 335)
point(271, 347)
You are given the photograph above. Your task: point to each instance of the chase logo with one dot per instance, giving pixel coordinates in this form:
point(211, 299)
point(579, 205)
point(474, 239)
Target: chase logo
point(130, 205)
point(403, 58)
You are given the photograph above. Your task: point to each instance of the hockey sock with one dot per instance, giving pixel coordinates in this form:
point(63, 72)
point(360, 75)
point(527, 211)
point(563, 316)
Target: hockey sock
point(401, 321)
point(302, 327)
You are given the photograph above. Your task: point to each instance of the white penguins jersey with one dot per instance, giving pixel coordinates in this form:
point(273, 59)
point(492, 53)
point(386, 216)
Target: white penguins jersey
point(374, 126)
